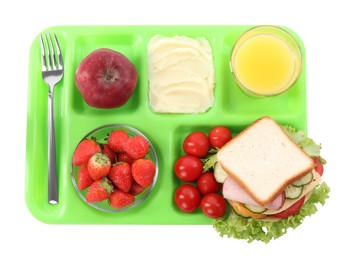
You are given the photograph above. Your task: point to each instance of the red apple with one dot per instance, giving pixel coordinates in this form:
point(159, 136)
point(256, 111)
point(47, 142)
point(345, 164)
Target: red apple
point(106, 79)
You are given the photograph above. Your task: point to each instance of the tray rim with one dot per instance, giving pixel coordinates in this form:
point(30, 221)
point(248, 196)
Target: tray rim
point(29, 200)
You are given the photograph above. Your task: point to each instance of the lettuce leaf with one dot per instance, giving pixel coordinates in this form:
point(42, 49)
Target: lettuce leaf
point(249, 229)
point(306, 143)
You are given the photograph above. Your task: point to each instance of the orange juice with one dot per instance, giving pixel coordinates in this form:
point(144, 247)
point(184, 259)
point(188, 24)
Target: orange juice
point(266, 61)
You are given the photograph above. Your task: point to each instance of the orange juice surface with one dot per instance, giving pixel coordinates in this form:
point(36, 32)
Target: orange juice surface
point(265, 64)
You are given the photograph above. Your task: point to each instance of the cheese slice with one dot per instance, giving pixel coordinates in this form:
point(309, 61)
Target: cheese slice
point(268, 218)
point(306, 189)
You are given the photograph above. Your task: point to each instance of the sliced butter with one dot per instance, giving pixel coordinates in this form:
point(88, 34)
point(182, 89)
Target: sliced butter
point(181, 74)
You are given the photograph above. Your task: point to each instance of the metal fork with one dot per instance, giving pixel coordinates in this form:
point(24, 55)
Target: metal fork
point(52, 72)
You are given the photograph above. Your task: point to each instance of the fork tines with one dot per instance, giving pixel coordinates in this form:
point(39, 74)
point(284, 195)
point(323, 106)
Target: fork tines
point(50, 53)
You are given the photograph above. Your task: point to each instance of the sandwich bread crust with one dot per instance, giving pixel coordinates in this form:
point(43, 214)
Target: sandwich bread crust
point(264, 160)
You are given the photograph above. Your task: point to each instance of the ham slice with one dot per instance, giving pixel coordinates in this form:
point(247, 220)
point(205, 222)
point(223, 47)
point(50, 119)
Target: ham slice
point(233, 191)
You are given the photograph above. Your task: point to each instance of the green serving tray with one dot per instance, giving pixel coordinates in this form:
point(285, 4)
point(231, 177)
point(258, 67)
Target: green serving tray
point(74, 119)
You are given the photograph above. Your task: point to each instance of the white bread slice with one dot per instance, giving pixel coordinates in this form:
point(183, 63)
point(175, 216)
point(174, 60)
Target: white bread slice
point(264, 160)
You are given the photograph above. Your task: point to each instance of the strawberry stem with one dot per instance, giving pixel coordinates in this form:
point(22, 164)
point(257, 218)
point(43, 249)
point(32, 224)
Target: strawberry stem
point(107, 185)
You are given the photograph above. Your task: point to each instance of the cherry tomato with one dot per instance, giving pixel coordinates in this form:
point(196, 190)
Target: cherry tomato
point(187, 198)
point(219, 136)
point(291, 210)
point(188, 168)
point(196, 144)
point(207, 183)
point(213, 205)
point(318, 166)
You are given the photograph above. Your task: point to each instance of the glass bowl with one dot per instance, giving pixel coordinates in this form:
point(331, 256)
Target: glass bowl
point(100, 134)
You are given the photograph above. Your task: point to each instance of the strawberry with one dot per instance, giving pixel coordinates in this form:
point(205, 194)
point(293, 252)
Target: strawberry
point(136, 189)
point(116, 139)
point(121, 176)
point(136, 147)
point(109, 152)
point(100, 190)
point(84, 151)
point(84, 178)
point(120, 199)
point(99, 166)
point(143, 172)
point(123, 157)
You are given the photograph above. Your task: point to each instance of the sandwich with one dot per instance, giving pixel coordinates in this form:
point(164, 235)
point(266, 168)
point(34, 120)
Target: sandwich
point(269, 174)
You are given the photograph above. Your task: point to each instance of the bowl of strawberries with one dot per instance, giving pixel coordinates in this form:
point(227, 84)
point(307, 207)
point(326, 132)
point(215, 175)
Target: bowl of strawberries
point(114, 168)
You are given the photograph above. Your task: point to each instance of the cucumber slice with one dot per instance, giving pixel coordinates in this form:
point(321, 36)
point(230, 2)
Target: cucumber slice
point(219, 173)
point(255, 209)
point(304, 180)
point(293, 192)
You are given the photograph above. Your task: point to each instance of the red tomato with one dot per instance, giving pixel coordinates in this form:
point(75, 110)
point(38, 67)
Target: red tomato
point(291, 210)
point(196, 144)
point(219, 136)
point(213, 205)
point(207, 183)
point(188, 168)
point(187, 198)
point(318, 166)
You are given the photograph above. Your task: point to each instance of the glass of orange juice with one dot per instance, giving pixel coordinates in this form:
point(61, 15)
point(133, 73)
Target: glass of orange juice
point(266, 61)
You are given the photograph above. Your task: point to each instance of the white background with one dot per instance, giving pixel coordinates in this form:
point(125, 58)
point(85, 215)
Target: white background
point(323, 27)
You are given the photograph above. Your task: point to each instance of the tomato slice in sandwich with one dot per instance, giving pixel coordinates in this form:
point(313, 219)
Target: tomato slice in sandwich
point(318, 166)
point(291, 210)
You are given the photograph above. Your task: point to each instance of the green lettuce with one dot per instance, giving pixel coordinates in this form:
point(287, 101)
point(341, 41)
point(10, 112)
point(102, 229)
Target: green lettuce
point(250, 229)
point(306, 143)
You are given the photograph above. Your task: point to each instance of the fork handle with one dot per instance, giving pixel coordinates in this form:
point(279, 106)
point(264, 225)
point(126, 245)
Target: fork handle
point(52, 176)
